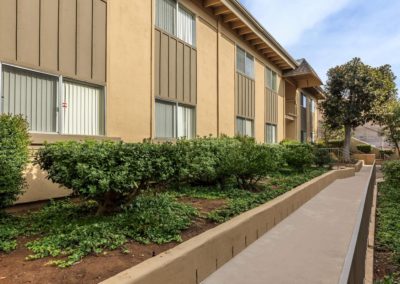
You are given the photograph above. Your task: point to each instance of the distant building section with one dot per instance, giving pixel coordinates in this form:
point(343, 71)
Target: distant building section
point(372, 134)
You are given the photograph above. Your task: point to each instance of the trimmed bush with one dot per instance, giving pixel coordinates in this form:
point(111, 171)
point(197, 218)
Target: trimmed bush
point(112, 173)
point(298, 155)
point(366, 149)
point(335, 144)
point(14, 155)
point(249, 162)
point(322, 157)
point(391, 172)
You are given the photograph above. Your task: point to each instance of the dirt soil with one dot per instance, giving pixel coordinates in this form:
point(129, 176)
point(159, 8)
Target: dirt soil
point(14, 269)
point(383, 264)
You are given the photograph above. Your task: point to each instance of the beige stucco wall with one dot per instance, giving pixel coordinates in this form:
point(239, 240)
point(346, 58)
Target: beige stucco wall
point(226, 86)
point(206, 79)
point(39, 188)
point(129, 87)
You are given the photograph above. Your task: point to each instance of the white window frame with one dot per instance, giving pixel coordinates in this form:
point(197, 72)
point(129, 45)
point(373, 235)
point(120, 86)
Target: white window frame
point(175, 122)
point(176, 23)
point(271, 84)
point(246, 57)
point(303, 100)
point(312, 105)
point(275, 138)
point(245, 120)
point(60, 82)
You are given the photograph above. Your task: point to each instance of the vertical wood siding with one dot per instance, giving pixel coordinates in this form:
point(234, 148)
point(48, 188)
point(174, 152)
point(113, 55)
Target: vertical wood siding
point(244, 96)
point(60, 36)
point(271, 107)
point(175, 69)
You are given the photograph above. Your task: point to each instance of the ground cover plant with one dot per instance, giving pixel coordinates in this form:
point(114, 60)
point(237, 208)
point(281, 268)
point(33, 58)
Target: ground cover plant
point(388, 216)
point(144, 192)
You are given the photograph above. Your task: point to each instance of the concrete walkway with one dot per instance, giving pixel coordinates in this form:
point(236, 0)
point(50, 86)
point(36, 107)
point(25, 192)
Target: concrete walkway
point(307, 247)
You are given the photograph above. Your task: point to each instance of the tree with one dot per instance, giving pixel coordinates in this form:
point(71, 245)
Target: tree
point(356, 94)
point(391, 125)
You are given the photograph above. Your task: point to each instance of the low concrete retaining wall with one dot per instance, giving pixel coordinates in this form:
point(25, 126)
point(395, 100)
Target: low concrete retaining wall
point(194, 260)
point(354, 265)
point(369, 159)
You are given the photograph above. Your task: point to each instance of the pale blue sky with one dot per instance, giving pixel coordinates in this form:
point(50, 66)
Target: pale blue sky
point(331, 32)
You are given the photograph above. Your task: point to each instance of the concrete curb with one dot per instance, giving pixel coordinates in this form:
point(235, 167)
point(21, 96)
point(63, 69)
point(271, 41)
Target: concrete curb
point(197, 258)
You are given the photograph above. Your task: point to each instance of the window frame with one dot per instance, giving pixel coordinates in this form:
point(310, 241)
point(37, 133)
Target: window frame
point(271, 84)
point(245, 119)
point(176, 21)
point(246, 57)
point(176, 105)
point(303, 101)
point(275, 138)
point(59, 95)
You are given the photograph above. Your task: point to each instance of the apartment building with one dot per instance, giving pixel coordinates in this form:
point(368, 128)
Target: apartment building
point(159, 69)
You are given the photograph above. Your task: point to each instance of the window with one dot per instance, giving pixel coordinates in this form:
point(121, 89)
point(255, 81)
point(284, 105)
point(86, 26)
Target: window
point(83, 109)
point(244, 127)
point(37, 97)
point(303, 137)
point(176, 20)
point(312, 105)
point(312, 137)
point(303, 101)
point(271, 80)
point(174, 120)
point(244, 62)
point(270, 134)
point(31, 94)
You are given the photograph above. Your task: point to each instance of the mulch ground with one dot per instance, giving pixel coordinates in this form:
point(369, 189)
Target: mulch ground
point(95, 268)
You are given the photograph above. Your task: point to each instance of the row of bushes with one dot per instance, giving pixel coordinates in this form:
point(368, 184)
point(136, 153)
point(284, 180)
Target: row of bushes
point(114, 173)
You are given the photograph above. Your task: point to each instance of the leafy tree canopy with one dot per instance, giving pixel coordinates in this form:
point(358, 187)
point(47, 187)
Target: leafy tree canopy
point(357, 93)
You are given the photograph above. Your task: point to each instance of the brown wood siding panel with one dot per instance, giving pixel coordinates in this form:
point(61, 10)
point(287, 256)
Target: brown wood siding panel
point(99, 40)
point(164, 66)
point(186, 74)
point(28, 32)
point(193, 78)
point(157, 56)
point(172, 68)
point(57, 39)
point(179, 73)
point(271, 107)
point(176, 69)
point(67, 36)
point(244, 96)
point(84, 39)
point(8, 18)
point(49, 34)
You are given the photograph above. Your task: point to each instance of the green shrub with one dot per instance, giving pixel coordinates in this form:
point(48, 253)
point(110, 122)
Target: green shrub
point(249, 162)
point(201, 161)
point(112, 173)
point(366, 149)
point(322, 157)
point(298, 155)
point(14, 155)
point(391, 172)
point(384, 153)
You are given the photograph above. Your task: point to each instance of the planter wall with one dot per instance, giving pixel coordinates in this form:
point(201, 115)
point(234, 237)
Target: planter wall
point(368, 159)
point(197, 258)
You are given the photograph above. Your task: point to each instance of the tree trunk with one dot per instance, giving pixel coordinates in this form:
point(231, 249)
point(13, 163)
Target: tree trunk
point(347, 140)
